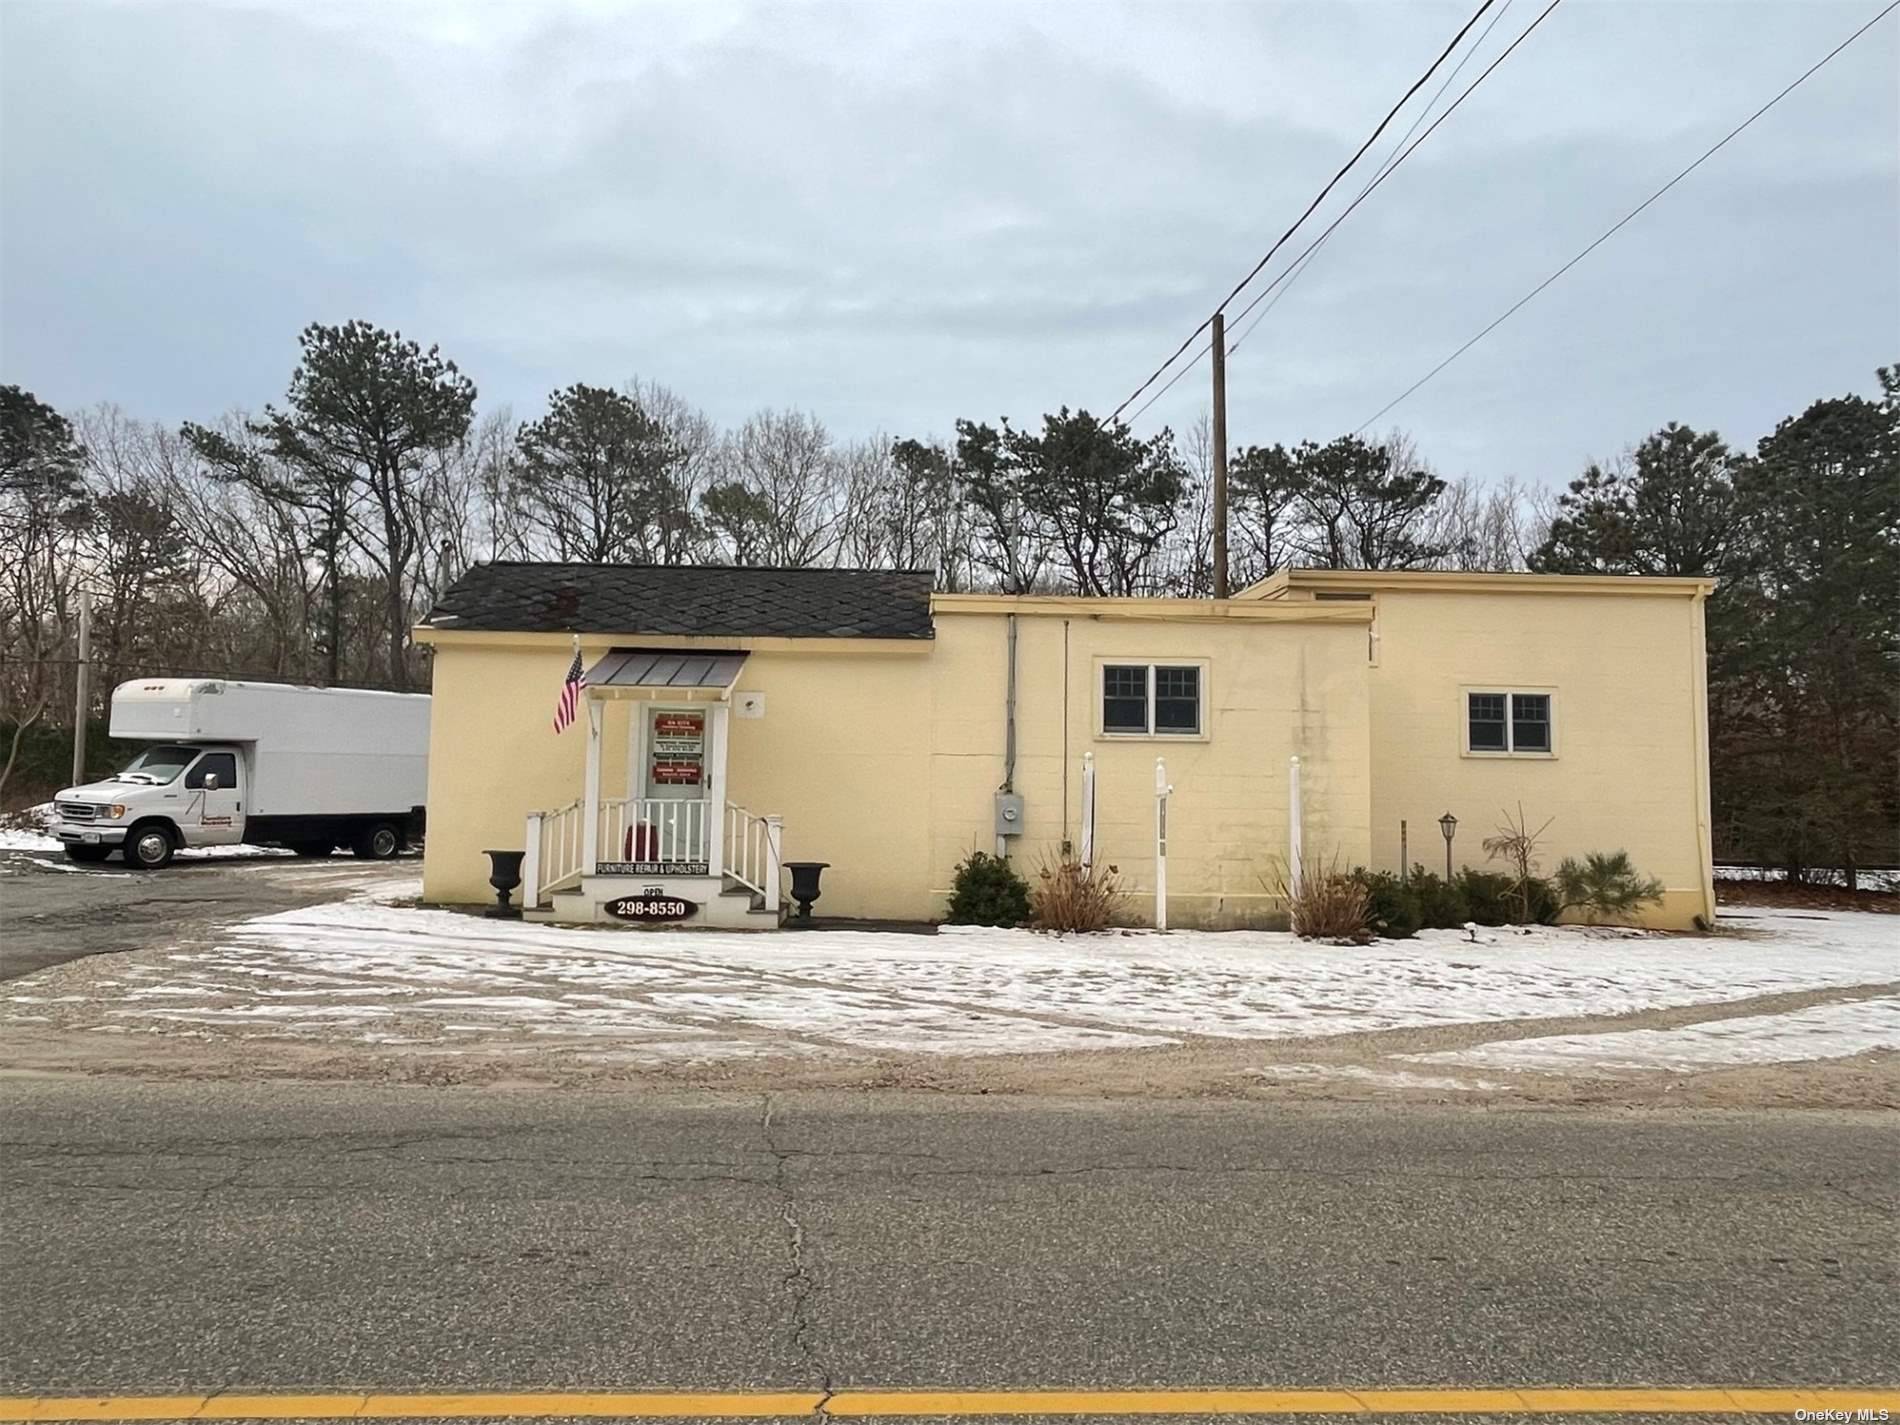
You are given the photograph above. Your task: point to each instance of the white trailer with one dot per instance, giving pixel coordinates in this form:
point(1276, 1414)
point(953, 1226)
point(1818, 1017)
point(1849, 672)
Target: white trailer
point(311, 769)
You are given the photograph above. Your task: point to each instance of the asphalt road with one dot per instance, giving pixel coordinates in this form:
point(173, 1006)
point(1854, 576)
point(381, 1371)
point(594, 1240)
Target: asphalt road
point(194, 1237)
point(52, 911)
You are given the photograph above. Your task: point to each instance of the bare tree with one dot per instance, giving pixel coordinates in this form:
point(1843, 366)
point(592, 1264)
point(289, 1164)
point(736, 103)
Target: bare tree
point(780, 494)
point(694, 441)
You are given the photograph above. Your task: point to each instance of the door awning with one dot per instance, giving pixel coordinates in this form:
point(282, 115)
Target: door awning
point(670, 672)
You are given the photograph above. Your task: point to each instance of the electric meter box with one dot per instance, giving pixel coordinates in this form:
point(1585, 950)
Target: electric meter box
point(1009, 814)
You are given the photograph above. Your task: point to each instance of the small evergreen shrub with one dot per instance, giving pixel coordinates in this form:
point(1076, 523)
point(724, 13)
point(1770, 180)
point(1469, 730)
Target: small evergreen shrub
point(1604, 886)
point(1399, 909)
point(1391, 908)
point(1069, 897)
point(987, 891)
point(1441, 904)
point(1490, 899)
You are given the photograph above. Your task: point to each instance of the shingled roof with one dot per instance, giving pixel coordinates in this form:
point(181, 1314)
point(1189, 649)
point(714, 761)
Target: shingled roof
point(712, 600)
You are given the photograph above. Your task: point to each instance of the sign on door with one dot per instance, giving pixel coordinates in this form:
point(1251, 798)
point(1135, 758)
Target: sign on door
point(676, 751)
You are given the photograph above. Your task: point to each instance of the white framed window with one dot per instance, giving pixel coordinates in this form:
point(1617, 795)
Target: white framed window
point(1142, 698)
point(1510, 722)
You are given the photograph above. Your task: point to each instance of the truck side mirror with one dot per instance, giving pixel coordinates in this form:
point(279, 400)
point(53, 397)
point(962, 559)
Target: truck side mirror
point(211, 781)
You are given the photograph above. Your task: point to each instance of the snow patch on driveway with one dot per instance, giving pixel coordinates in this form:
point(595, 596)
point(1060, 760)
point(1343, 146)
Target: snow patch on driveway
point(368, 972)
point(1823, 1031)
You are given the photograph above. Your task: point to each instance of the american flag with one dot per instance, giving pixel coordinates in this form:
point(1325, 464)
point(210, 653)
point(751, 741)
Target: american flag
point(570, 694)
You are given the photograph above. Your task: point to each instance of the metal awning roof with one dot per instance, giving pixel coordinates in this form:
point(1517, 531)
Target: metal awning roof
point(664, 669)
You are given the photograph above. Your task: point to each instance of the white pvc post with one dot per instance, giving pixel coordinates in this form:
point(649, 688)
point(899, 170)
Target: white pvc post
point(1295, 850)
point(774, 849)
point(590, 792)
point(1162, 789)
point(712, 830)
point(531, 864)
point(1088, 810)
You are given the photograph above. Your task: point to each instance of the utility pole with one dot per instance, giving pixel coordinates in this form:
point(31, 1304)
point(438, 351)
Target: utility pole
point(1219, 349)
point(82, 677)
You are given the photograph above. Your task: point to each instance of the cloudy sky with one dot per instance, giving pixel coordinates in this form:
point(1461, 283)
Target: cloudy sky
point(897, 214)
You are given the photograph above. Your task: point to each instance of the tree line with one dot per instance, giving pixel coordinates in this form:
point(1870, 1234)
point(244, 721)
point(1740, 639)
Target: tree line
point(303, 542)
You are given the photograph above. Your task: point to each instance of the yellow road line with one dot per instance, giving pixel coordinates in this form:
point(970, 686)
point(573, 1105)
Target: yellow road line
point(899, 1403)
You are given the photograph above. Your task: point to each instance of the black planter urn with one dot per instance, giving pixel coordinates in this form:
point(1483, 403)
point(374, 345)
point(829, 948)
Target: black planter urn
point(504, 874)
point(805, 876)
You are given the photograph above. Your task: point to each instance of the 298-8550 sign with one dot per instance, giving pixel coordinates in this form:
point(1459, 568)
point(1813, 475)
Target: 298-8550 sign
point(651, 908)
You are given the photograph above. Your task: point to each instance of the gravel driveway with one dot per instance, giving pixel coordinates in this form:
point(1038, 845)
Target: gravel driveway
point(52, 911)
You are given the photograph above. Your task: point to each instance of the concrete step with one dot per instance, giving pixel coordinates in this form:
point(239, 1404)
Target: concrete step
point(724, 908)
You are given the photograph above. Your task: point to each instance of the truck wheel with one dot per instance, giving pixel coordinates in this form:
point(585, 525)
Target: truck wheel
point(149, 846)
point(380, 843)
point(311, 848)
point(87, 854)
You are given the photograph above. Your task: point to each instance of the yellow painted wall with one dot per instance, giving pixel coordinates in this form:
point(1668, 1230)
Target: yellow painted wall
point(1272, 691)
point(885, 764)
point(1627, 675)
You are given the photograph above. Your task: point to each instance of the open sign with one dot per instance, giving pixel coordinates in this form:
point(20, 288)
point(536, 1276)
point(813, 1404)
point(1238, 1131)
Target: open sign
point(650, 908)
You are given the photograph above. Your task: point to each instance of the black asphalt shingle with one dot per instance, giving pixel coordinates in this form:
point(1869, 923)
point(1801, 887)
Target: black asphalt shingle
point(711, 600)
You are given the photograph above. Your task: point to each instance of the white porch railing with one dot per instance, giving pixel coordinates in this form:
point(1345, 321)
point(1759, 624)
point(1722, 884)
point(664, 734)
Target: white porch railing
point(656, 831)
point(652, 831)
point(553, 862)
point(753, 848)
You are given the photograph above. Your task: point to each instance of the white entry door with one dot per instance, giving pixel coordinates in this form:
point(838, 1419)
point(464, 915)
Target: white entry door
point(675, 808)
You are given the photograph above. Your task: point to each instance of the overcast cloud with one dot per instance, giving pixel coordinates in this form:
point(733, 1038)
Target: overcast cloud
point(895, 215)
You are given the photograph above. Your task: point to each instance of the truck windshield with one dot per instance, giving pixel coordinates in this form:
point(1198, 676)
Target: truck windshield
point(158, 765)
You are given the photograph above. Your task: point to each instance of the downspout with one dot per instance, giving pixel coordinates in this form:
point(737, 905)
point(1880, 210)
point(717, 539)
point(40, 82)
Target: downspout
point(1009, 715)
point(1009, 733)
point(1705, 849)
point(1066, 843)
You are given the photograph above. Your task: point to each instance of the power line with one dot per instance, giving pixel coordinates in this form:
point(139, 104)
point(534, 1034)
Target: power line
point(1616, 227)
point(1392, 161)
point(1373, 138)
point(1389, 167)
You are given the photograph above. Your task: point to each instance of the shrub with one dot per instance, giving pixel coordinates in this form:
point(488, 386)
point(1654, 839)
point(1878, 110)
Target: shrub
point(1518, 846)
point(1399, 909)
point(1491, 899)
point(987, 891)
point(1441, 905)
point(1604, 885)
point(1391, 908)
point(1070, 897)
point(1328, 905)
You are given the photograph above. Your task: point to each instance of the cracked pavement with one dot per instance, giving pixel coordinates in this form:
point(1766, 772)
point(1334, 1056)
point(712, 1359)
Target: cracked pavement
point(279, 1236)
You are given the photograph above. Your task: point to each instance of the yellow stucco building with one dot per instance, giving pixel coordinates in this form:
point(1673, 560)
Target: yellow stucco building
point(735, 720)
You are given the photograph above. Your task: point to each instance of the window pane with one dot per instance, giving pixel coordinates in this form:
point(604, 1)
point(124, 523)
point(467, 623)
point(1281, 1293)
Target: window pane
point(1530, 722)
point(1486, 723)
point(1177, 699)
point(1125, 698)
point(221, 765)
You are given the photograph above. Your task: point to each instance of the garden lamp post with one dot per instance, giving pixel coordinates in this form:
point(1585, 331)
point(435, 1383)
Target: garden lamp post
point(1449, 825)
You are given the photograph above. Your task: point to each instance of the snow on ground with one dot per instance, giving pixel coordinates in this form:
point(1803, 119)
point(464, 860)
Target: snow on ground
point(1822, 1031)
point(33, 836)
point(30, 833)
point(380, 973)
point(1883, 880)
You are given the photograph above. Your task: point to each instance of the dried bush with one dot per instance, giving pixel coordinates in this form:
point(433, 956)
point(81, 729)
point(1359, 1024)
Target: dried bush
point(1069, 897)
point(1328, 904)
point(1518, 846)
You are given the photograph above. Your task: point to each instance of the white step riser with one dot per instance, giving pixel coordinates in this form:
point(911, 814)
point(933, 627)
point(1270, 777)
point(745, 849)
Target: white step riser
point(716, 910)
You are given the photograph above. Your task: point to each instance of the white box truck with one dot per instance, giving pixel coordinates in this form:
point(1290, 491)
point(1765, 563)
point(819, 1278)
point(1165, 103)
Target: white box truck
point(311, 769)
